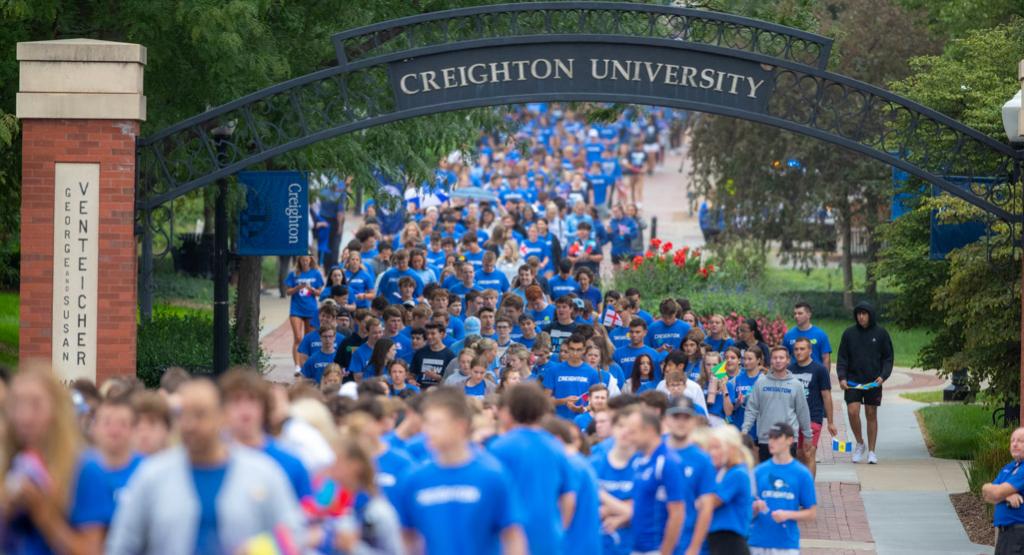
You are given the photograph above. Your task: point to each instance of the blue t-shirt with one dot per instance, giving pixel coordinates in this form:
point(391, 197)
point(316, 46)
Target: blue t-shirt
point(479, 390)
point(564, 380)
point(619, 336)
point(303, 302)
point(389, 284)
point(719, 345)
point(583, 420)
point(208, 482)
point(734, 489)
point(818, 338)
point(617, 482)
point(658, 480)
point(476, 498)
point(559, 287)
point(742, 384)
point(456, 329)
point(293, 468)
point(112, 482)
point(584, 532)
point(539, 248)
point(311, 342)
point(700, 476)
point(393, 467)
point(599, 183)
point(1012, 474)
point(539, 468)
point(592, 294)
point(661, 333)
point(626, 356)
point(543, 316)
point(476, 259)
point(492, 280)
point(787, 487)
point(360, 359)
point(404, 344)
point(358, 283)
point(718, 407)
point(317, 362)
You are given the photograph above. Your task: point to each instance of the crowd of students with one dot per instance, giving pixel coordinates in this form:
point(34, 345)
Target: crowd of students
point(465, 385)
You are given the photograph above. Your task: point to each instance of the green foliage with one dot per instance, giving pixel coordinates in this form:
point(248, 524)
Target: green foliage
point(951, 430)
point(923, 396)
point(9, 327)
point(185, 339)
point(955, 18)
point(990, 454)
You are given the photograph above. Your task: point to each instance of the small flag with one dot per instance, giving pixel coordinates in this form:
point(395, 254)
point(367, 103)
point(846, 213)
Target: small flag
point(584, 400)
point(855, 385)
point(277, 542)
point(719, 370)
point(842, 446)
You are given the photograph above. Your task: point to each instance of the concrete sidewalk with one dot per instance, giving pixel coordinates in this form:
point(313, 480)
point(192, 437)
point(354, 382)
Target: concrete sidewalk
point(905, 498)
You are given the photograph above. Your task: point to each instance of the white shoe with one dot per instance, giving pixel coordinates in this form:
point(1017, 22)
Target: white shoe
point(298, 371)
point(872, 459)
point(858, 453)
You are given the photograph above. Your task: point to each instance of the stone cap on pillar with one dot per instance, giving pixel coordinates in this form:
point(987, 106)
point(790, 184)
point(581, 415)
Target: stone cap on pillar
point(81, 79)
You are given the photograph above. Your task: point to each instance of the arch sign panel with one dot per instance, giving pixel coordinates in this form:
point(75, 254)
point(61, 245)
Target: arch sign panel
point(581, 69)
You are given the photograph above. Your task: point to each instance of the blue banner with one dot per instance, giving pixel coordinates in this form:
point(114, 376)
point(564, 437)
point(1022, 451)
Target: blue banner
point(946, 237)
point(275, 220)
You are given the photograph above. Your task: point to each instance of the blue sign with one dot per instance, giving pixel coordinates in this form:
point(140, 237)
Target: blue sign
point(947, 237)
point(275, 220)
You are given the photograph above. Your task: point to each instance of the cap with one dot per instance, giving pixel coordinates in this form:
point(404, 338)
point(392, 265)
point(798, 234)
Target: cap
point(593, 133)
point(409, 304)
point(578, 302)
point(472, 326)
point(781, 429)
point(682, 405)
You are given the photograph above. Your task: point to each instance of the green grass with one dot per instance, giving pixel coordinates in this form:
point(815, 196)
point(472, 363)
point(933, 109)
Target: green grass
point(923, 396)
point(817, 279)
point(9, 328)
point(951, 430)
point(905, 343)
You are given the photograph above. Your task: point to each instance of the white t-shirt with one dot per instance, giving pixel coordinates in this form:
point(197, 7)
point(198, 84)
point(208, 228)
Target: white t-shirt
point(693, 391)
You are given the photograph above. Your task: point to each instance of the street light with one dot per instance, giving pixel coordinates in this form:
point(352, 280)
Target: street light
point(1013, 124)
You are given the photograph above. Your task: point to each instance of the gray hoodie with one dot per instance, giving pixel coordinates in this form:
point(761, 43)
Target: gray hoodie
point(774, 400)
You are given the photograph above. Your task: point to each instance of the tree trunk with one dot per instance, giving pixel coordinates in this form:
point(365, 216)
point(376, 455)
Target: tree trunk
point(846, 228)
point(247, 305)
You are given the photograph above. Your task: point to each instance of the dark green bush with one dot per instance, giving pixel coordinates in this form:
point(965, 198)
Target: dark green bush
point(184, 340)
point(991, 453)
point(10, 265)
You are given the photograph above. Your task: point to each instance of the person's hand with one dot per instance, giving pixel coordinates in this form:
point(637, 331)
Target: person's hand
point(760, 506)
point(843, 385)
point(713, 386)
point(346, 540)
point(780, 516)
point(832, 429)
point(578, 409)
point(879, 380)
point(571, 400)
point(808, 445)
point(1015, 501)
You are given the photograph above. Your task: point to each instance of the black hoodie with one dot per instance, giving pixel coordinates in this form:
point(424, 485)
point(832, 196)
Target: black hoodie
point(864, 353)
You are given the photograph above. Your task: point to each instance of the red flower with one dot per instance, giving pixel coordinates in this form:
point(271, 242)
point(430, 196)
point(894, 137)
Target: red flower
point(638, 260)
point(666, 247)
point(704, 273)
point(649, 254)
point(711, 267)
point(655, 242)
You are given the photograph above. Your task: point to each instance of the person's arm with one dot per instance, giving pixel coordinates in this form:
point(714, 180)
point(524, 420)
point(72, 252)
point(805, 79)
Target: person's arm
point(673, 526)
point(727, 399)
point(413, 541)
point(750, 415)
point(512, 541)
point(58, 534)
point(803, 416)
point(614, 505)
point(997, 493)
point(887, 356)
point(700, 528)
point(803, 515)
point(826, 400)
point(826, 360)
point(567, 507)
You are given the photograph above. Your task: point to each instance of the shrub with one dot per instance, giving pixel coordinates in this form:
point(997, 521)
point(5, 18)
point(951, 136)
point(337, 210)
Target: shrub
point(990, 455)
point(660, 272)
point(185, 340)
point(10, 265)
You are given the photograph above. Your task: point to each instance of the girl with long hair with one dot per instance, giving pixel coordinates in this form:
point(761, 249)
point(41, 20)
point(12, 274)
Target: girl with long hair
point(748, 334)
point(418, 264)
point(384, 351)
point(718, 339)
point(304, 284)
point(732, 499)
point(335, 277)
point(54, 501)
point(692, 346)
point(753, 368)
point(642, 377)
point(720, 392)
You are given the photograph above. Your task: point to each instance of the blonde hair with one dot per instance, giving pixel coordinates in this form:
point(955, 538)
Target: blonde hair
point(62, 443)
point(314, 413)
point(732, 441)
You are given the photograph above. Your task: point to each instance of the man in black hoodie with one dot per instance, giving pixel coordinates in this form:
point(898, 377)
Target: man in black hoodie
point(865, 362)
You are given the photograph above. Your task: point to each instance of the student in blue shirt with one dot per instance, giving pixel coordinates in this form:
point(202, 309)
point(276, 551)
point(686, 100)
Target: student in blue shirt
point(490, 278)
point(658, 485)
point(563, 284)
point(313, 368)
point(784, 495)
point(720, 393)
point(311, 342)
point(587, 290)
point(599, 184)
point(641, 377)
point(743, 383)
point(304, 284)
point(389, 286)
point(583, 534)
point(535, 246)
point(731, 499)
point(359, 280)
point(568, 381)
point(458, 487)
point(614, 469)
point(626, 356)
point(247, 407)
point(361, 355)
point(1005, 492)
point(682, 419)
point(821, 349)
point(667, 333)
point(544, 481)
point(718, 339)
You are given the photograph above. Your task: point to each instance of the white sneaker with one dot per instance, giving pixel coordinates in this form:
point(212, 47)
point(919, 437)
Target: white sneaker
point(858, 453)
point(872, 459)
point(298, 371)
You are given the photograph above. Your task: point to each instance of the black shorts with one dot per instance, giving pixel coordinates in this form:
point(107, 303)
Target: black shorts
point(870, 397)
point(1010, 540)
point(727, 543)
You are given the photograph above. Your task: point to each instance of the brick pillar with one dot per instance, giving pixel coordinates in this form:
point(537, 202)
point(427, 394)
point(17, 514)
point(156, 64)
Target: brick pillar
point(80, 103)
